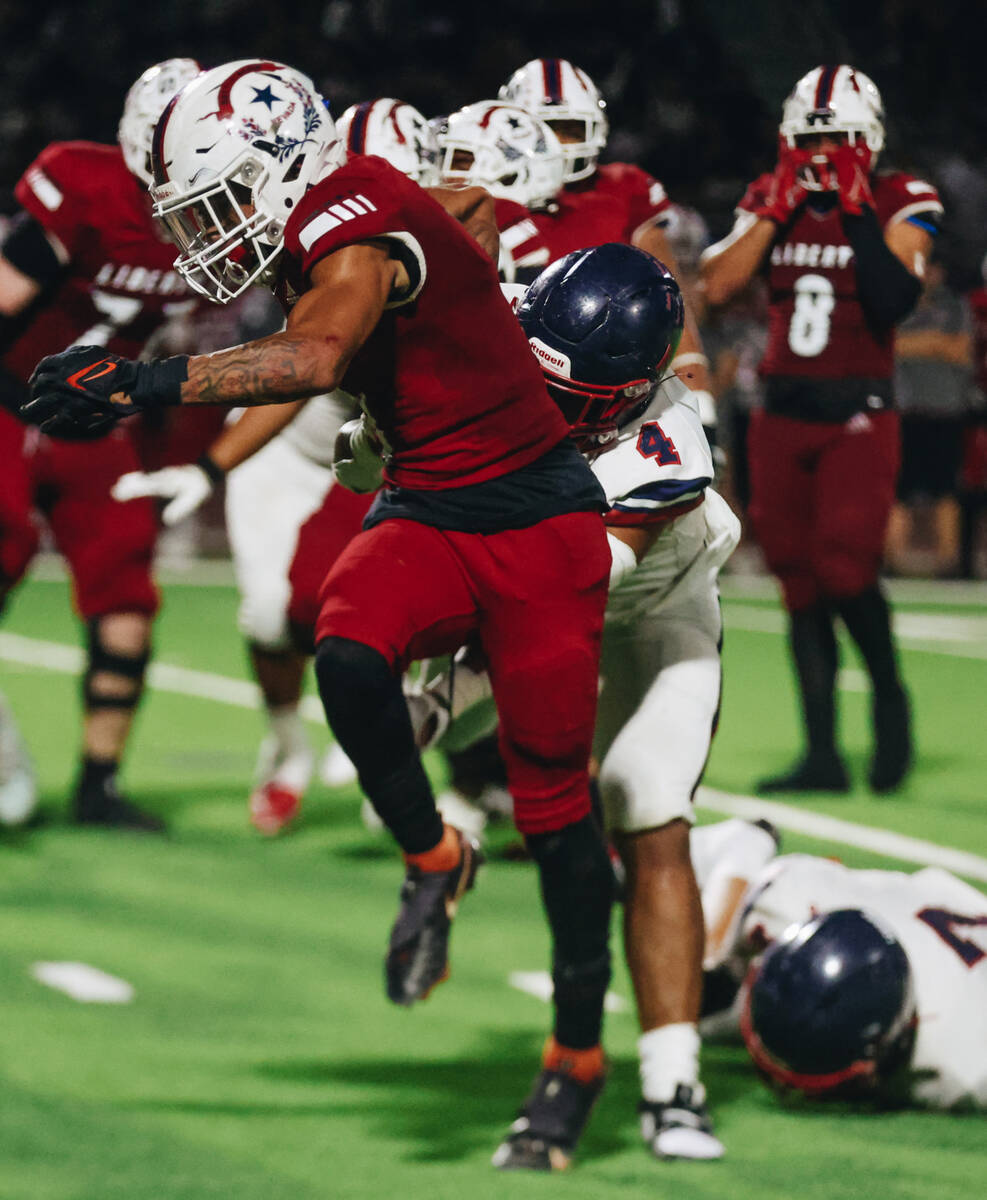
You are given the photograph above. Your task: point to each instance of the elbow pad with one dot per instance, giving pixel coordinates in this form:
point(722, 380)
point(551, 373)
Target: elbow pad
point(888, 290)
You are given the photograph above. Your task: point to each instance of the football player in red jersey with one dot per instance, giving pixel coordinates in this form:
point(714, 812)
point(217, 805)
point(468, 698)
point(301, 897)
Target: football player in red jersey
point(489, 522)
point(843, 249)
point(611, 202)
point(83, 261)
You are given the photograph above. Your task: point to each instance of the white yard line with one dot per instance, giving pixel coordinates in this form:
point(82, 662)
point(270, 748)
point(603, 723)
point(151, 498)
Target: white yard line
point(539, 985)
point(832, 829)
point(88, 985)
point(56, 656)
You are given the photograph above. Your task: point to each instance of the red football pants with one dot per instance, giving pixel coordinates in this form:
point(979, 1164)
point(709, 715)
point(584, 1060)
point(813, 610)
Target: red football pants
point(108, 546)
point(321, 540)
point(821, 495)
point(535, 599)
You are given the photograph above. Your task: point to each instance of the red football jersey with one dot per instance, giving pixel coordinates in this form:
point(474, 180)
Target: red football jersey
point(520, 239)
point(610, 206)
point(816, 325)
point(977, 300)
point(447, 374)
point(119, 285)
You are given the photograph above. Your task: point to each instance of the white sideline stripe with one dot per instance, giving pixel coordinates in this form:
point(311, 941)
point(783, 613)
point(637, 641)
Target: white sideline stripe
point(88, 985)
point(55, 656)
point(864, 837)
point(960, 592)
point(934, 633)
point(539, 985)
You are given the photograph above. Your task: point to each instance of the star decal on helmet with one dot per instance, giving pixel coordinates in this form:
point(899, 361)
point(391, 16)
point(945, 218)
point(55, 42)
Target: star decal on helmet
point(264, 95)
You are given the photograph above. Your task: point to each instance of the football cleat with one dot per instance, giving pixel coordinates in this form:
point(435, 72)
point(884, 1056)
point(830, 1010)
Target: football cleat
point(681, 1128)
point(418, 952)
point(336, 768)
point(549, 1125)
point(101, 804)
point(893, 741)
point(273, 807)
point(814, 773)
point(18, 783)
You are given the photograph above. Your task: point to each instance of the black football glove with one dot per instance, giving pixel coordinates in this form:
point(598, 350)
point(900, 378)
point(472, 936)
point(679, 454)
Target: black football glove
point(70, 392)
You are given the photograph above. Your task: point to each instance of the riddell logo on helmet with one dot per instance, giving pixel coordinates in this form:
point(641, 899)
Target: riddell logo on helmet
point(551, 358)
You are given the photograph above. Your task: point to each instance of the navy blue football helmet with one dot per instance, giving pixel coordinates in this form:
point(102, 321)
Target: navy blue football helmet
point(830, 1008)
point(603, 323)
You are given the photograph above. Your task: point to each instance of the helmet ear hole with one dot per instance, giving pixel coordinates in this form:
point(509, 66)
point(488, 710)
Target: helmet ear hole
point(294, 170)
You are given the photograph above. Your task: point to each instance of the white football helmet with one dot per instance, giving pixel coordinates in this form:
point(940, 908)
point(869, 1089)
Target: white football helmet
point(504, 149)
point(568, 101)
point(145, 102)
point(395, 131)
point(233, 154)
point(835, 99)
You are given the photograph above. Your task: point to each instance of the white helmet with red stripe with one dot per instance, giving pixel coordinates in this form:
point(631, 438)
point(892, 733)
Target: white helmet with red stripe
point(145, 103)
point(395, 131)
point(835, 99)
point(504, 149)
point(568, 101)
point(233, 154)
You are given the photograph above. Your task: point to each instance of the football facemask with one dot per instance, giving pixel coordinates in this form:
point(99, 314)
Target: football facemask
point(568, 101)
point(836, 102)
point(504, 149)
point(233, 154)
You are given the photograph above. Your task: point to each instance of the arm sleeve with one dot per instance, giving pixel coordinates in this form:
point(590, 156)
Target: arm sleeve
point(888, 290)
point(657, 502)
point(26, 247)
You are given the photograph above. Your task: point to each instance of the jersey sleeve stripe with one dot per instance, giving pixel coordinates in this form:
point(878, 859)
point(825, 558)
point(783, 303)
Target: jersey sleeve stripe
point(659, 516)
point(661, 492)
point(929, 205)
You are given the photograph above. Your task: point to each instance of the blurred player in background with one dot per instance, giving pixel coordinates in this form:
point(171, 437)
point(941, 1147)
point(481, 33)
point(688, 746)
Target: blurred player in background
point(874, 982)
point(83, 261)
point(489, 524)
point(611, 202)
point(844, 250)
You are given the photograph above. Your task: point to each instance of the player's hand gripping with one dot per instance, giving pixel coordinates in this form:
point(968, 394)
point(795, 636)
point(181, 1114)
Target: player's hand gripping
point(72, 393)
point(185, 488)
point(852, 183)
point(83, 391)
point(785, 194)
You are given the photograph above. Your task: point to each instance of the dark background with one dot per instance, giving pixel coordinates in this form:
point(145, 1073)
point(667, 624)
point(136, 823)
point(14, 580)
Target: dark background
point(694, 87)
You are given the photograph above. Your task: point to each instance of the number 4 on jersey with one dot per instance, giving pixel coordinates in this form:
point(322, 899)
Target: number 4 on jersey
point(652, 442)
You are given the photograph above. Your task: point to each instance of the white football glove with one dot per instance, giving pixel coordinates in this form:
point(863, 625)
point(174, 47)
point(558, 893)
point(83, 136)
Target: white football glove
point(185, 488)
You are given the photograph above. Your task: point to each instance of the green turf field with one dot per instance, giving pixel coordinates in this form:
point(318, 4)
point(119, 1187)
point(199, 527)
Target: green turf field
point(259, 1058)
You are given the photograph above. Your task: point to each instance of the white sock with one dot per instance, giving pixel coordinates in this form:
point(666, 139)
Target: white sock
point(669, 1056)
point(288, 730)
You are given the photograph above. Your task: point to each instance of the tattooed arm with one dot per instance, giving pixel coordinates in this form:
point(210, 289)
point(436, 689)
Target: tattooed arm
point(327, 326)
point(473, 208)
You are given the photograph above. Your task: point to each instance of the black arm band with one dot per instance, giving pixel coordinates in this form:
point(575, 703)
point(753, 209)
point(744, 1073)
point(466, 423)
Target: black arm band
point(888, 290)
point(159, 384)
point(212, 470)
point(26, 247)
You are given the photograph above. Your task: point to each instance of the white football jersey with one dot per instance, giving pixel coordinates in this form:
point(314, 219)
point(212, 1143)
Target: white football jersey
point(659, 465)
point(313, 431)
point(940, 921)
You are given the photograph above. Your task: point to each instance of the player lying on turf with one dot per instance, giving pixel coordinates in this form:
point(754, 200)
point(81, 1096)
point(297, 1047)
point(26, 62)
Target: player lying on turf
point(489, 523)
point(873, 984)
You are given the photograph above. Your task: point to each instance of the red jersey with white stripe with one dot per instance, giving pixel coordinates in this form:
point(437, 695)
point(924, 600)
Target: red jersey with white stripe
point(817, 326)
point(118, 285)
point(447, 373)
point(521, 241)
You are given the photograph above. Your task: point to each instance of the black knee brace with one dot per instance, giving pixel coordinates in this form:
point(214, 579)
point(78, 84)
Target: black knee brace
point(577, 891)
point(367, 713)
point(130, 666)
